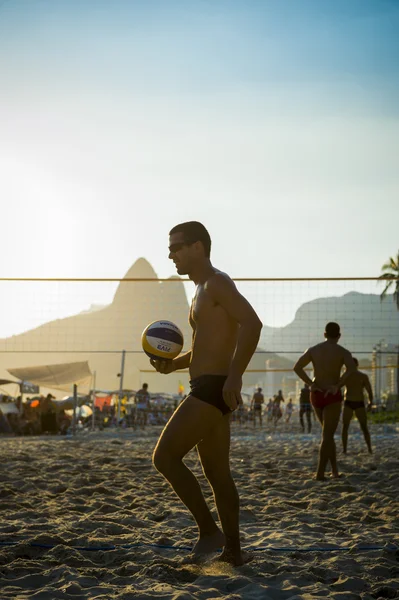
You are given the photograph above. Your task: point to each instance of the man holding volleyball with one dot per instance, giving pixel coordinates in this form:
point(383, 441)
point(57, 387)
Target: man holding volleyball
point(226, 331)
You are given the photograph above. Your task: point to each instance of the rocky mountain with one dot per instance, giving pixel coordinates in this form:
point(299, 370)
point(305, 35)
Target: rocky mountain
point(363, 318)
point(100, 335)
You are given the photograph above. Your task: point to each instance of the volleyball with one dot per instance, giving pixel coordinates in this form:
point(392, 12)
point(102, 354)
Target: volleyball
point(162, 340)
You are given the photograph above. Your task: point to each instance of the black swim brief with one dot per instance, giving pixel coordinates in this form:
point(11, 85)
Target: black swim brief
point(354, 404)
point(209, 389)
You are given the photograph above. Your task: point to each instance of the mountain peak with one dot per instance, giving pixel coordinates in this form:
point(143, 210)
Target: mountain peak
point(141, 269)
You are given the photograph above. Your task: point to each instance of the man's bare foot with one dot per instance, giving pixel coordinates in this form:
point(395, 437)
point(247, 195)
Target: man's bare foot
point(206, 545)
point(236, 559)
point(336, 475)
point(320, 478)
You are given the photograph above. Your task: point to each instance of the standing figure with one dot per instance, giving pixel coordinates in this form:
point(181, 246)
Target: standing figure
point(143, 405)
point(256, 406)
point(305, 408)
point(226, 331)
point(269, 410)
point(354, 403)
point(277, 412)
point(289, 410)
point(327, 358)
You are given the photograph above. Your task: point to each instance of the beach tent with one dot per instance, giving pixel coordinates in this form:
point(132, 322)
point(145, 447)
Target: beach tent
point(101, 401)
point(68, 402)
point(8, 408)
point(57, 377)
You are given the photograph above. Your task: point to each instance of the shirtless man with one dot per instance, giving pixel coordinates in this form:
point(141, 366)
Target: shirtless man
point(256, 405)
point(278, 413)
point(327, 358)
point(269, 409)
point(289, 410)
point(226, 331)
point(305, 408)
point(143, 405)
point(354, 403)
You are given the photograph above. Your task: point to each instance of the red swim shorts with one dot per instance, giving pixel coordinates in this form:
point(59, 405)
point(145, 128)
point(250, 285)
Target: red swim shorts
point(321, 399)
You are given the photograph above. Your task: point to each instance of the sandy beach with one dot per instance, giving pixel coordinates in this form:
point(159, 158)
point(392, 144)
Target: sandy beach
point(101, 491)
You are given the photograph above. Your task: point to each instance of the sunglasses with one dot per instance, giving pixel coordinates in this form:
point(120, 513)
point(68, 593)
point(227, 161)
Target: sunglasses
point(173, 248)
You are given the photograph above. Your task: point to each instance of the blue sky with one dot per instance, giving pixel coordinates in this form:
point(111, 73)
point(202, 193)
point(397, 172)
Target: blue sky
point(276, 123)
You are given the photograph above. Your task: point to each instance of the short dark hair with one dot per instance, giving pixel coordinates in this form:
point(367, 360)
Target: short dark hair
point(145, 385)
point(194, 231)
point(332, 330)
point(355, 361)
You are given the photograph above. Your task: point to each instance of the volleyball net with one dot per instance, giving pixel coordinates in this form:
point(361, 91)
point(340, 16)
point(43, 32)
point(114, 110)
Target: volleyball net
point(52, 321)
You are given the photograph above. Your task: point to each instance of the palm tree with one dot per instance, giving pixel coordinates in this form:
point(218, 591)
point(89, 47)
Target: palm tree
point(391, 276)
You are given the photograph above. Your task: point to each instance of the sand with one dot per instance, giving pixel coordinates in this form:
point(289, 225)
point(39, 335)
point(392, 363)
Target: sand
point(100, 490)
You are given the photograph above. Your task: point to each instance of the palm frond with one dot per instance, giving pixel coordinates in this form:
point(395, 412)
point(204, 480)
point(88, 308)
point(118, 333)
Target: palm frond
point(392, 264)
point(387, 267)
point(385, 291)
point(388, 276)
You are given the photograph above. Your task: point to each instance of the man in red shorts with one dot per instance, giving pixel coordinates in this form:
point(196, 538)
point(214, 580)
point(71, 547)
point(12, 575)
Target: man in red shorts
point(327, 359)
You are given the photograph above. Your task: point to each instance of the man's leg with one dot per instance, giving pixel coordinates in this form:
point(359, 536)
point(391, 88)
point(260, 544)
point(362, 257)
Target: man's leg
point(346, 419)
point(362, 418)
point(191, 422)
point(214, 453)
point(309, 418)
point(330, 419)
point(301, 413)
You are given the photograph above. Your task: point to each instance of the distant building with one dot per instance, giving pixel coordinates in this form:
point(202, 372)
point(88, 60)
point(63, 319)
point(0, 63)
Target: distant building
point(384, 362)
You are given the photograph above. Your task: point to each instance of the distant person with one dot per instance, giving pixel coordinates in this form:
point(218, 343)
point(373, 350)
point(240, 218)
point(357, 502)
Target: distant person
point(143, 405)
point(305, 408)
point(240, 414)
point(289, 410)
point(327, 358)
point(269, 410)
point(354, 403)
point(48, 417)
point(256, 406)
point(277, 412)
point(226, 332)
point(64, 421)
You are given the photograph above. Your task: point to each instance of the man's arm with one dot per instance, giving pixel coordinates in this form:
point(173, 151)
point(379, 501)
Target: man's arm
point(300, 365)
point(223, 292)
point(350, 368)
point(368, 389)
point(168, 366)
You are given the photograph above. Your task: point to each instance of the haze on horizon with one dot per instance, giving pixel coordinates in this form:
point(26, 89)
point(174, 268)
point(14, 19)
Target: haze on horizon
point(276, 124)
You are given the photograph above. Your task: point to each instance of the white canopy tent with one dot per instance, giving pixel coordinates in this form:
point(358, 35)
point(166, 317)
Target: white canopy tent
point(57, 377)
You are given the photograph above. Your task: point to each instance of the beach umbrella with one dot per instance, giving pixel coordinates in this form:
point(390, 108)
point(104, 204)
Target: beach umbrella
point(82, 412)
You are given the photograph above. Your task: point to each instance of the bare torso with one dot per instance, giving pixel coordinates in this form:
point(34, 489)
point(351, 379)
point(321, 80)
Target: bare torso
point(328, 359)
point(355, 386)
point(258, 399)
point(214, 335)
